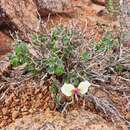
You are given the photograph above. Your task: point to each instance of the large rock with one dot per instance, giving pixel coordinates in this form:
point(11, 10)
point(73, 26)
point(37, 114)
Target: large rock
point(75, 120)
point(22, 14)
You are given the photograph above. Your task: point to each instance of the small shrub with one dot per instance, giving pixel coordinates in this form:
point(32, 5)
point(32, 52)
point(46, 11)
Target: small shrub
point(21, 56)
point(107, 42)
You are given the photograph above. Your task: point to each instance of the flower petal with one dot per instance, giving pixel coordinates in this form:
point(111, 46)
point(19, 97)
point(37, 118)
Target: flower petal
point(83, 86)
point(67, 89)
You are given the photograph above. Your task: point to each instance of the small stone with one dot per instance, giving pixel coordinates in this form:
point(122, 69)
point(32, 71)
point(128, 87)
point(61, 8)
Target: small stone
point(24, 109)
point(31, 111)
point(128, 116)
point(25, 113)
point(4, 111)
point(9, 100)
point(15, 115)
point(3, 123)
point(40, 96)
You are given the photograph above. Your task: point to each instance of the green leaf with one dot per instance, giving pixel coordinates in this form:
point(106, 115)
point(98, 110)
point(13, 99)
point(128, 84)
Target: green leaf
point(51, 69)
point(59, 70)
point(54, 89)
point(15, 61)
point(104, 44)
point(106, 41)
point(21, 49)
point(58, 100)
point(119, 68)
point(65, 40)
point(86, 56)
point(59, 62)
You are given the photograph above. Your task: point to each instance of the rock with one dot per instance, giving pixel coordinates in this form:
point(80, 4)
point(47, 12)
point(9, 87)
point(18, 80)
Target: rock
point(74, 120)
point(99, 2)
point(15, 114)
point(22, 14)
point(4, 111)
point(54, 6)
point(25, 113)
point(3, 16)
point(4, 44)
point(3, 123)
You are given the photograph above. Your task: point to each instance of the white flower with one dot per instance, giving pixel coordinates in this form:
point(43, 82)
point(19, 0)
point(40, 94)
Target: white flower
point(69, 89)
point(84, 86)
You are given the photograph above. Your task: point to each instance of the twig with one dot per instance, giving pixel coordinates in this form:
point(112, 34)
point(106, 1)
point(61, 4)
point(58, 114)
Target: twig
point(128, 80)
point(109, 109)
